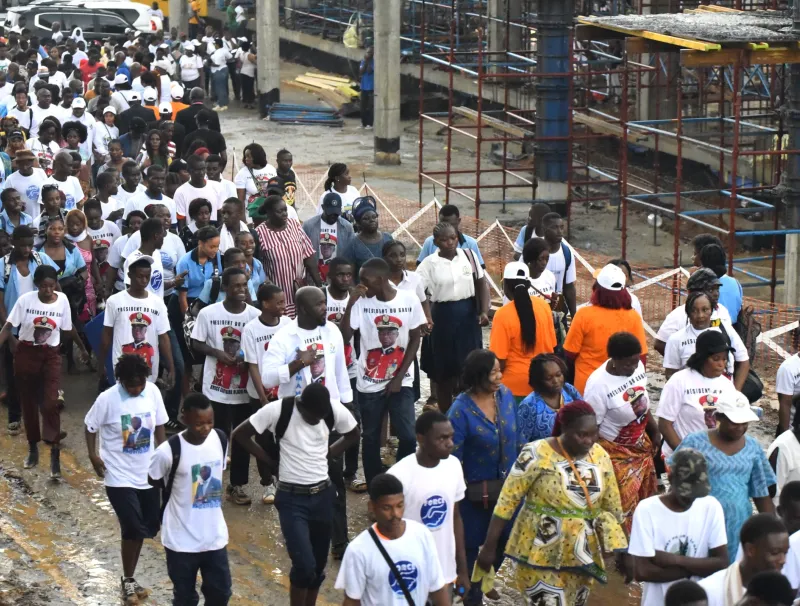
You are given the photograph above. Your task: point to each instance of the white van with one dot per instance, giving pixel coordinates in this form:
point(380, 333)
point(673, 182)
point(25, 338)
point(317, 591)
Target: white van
point(133, 12)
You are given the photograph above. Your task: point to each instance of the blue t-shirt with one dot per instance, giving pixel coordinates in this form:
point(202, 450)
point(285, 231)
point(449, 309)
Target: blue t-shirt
point(730, 295)
point(464, 241)
point(196, 279)
point(368, 77)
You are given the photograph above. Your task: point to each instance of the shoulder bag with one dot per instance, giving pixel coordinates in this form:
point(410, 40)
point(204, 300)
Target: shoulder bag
point(392, 566)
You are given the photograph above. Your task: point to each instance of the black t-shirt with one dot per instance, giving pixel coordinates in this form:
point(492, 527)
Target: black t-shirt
point(214, 141)
point(289, 184)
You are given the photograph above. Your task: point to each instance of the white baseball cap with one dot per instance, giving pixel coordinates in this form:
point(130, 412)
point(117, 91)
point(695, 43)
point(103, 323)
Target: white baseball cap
point(611, 277)
point(79, 102)
point(736, 407)
point(150, 94)
point(165, 108)
point(131, 259)
point(110, 110)
point(188, 45)
point(176, 91)
point(134, 96)
point(516, 270)
point(162, 65)
point(120, 79)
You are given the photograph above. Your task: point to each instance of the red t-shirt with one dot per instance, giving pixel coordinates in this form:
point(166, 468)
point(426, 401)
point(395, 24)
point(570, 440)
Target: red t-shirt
point(88, 70)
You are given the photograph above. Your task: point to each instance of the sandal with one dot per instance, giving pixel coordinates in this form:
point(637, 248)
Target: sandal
point(13, 428)
point(357, 486)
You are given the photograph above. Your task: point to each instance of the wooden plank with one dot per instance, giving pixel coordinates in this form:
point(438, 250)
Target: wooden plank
point(770, 56)
point(641, 46)
point(338, 79)
point(665, 38)
point(491, 122)
point(585, 33)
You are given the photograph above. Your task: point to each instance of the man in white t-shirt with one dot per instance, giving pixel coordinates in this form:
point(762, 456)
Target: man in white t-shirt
point(136, 322)
point(28, 181)
point(433, 485)
point(197, 187)
point(679, 534)
point(153, 194)
point(388, 322)
point(130, 417)
point(765, 542)
point(787, 384)
point(365, 574)
point(301, 427)
point(702, 280)
point(67, 184)
point(562, 259)
point(152, 238)
point(193, 532)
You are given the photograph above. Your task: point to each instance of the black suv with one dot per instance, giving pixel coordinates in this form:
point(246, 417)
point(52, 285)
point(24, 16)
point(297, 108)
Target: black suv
point(96, 24)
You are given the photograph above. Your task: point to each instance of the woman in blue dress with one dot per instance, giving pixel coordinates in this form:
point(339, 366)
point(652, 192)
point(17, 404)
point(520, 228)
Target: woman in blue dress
point(487, 444)
point(537, 412)
point(738, 469)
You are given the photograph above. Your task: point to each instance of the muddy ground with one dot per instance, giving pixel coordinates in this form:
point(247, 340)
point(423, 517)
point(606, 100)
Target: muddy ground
point(59, 542)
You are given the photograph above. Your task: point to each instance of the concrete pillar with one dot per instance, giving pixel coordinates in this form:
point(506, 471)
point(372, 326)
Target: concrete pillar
point(498, 10)
point(387, 81)
point(790, 179)
point(269, 54)
point(515, 33)
point(792, 270)
point(179, 15)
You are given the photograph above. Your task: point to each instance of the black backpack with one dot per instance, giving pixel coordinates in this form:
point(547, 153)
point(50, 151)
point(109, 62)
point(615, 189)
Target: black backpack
point(175, 447)
point(271, 440)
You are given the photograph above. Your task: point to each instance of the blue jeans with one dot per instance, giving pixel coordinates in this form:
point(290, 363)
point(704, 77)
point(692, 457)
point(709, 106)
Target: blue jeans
point(306, 525)
point(173, 400)
point(401, 414)
point(219, 83)
point(182, 568)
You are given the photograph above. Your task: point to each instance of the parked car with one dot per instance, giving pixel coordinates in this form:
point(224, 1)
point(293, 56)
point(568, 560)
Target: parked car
point(96, 24)
point(133, 12)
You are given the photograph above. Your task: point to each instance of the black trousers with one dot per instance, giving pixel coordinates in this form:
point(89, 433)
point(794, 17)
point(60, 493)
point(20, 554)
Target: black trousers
point(228, 417)
point(339, 538)
point(12, 395)
point(248, 88)
point(234, 80)
point(183, 567)
point(367, 107)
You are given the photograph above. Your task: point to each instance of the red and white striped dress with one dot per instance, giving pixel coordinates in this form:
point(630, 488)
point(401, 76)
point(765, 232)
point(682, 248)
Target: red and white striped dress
point(284, 252)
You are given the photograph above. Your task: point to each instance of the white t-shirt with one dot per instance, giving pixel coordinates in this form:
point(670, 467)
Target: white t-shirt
point(787, 382)
point(40, 113)
point(171, 252)
point(156, 285)
point(692, 533)
point(219, 59)
point(787, 465)
point(228, 189)
point(677, 319)
point(126, 425)
point(193, 520)
point(543, 287)
point(620, 404)
point(244, 179)
point(431, 494)
point(222, 330)
point(304, 447)
point(688, 399)
point(378, 362)
point(347, 197)
point(41, 323)
point(556, 265)
point(109, 207)
point(190, 67)
point(184, 195)
point(140, 201)
point(71, 189)
point(681, 345)
point(29, 188)
point(44, 153)
point(108, 233)
point(124, 195)
point(148, 317)
point(791, 569)
point(103, 135)
point(115, 260)
point(715, 587)
point(255, 342)
point(364, 575)
point(336, 308)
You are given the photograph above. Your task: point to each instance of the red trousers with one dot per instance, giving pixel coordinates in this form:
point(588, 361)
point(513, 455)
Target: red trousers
point(37, 371)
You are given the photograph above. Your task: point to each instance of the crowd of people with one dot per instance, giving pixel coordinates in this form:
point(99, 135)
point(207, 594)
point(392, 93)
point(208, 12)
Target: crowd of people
point(221, 328)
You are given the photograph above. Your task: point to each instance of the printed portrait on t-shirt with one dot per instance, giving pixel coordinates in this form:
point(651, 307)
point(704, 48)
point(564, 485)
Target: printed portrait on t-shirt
point(383, 361)
point(271, 392)
point(137, 431)
point(207, 485)
point(327, 251)
point(543, 594)
point(230, 376)
point(289, 189)
point(709, 404)
point(317, 367)
point(336, 318)
point(589, 477)
point(636, 397)
point(43, 327)
point(140, 322)
point(100, 249)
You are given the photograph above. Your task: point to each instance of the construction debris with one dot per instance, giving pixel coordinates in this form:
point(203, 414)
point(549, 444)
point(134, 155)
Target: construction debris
point(340, 93)
point(284, 113)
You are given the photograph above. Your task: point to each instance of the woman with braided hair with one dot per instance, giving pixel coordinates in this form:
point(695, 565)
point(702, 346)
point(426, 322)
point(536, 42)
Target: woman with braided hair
point(572, 514)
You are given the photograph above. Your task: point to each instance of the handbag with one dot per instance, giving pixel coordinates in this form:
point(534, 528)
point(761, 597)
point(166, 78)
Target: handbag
point(392, 566)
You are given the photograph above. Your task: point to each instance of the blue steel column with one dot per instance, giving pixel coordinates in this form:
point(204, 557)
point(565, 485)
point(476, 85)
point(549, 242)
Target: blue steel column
point(553, 22)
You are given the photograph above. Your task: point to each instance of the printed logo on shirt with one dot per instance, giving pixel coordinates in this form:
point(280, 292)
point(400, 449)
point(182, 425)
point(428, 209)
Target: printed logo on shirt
point(335, 316)
point(271, 392)
point(156, 280)
point(140, 322)
point(589, 477)
point(230, 378)
point(547, 531)
point(383, 361)
point(166, 260)
point(137, 430)
point(289, 189)
point(433, 512)
point(681, 545)
point(543, 594)
point(69, 202)
point(526, 458)
point(42, 329)
point(709, 404)
point(409, 574)
point(207, 485)
point(632, 433)
point(327, 251)
point(32, 192)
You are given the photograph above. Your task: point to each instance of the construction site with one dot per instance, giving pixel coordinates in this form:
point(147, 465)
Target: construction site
point(644, 123)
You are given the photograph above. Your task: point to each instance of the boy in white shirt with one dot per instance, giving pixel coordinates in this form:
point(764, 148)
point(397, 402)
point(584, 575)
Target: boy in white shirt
point(679, 534)
point(365, 574)
point(433, 484)
point(130, 417)
point(193, 532)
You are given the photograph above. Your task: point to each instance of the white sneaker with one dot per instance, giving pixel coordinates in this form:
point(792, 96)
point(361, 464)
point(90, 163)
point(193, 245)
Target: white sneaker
point(223, 108)
point(269, 495)
point(369, 128)
point(216, 108)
